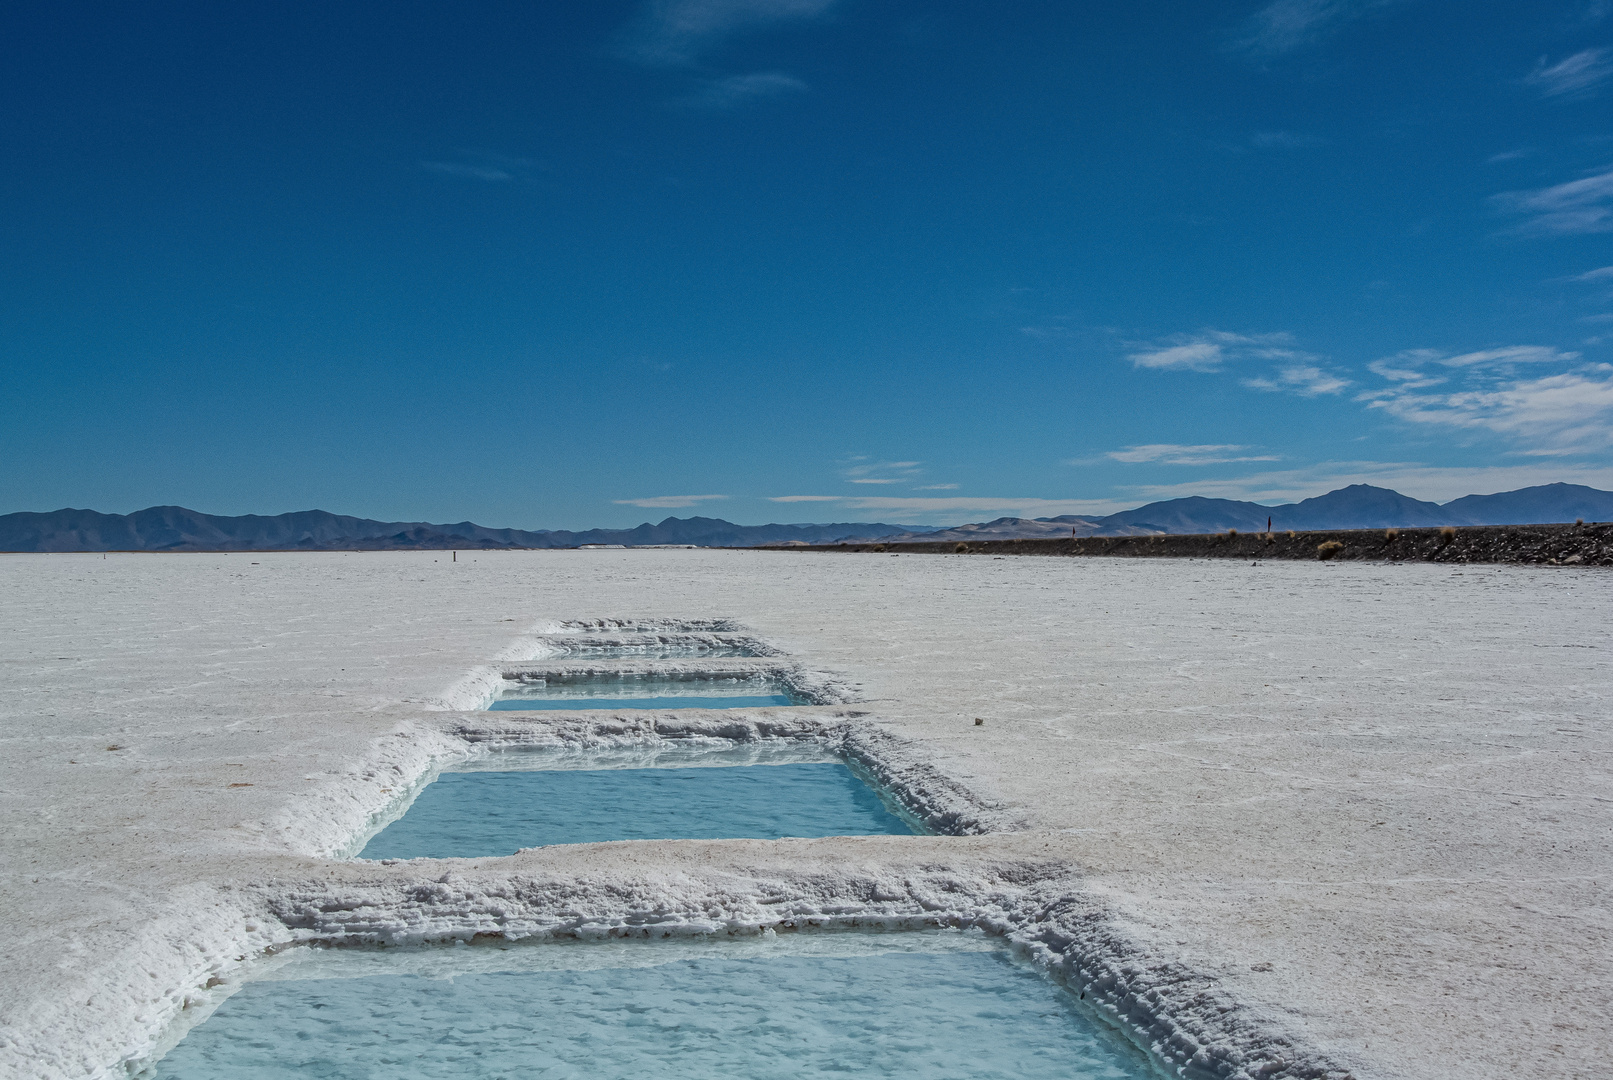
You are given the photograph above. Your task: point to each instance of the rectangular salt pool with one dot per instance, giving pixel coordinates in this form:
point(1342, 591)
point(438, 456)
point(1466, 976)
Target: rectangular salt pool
point(646, 692)
point(491, 811)
point(924, 1004)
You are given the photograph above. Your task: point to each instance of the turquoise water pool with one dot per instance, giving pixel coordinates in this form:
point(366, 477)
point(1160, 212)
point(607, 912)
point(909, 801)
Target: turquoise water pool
point(645, 692)
point(867, 1005)
point(488, 813)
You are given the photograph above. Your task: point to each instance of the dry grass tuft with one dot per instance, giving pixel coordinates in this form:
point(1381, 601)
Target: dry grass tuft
point(1390, 533)
point(961, 549)
point(1232, 532)
point(1291, 534)
point(1329, 548)
point(1447, 533)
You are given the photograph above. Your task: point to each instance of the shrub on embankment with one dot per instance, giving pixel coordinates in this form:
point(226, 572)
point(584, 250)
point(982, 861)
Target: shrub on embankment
point(1550, 545)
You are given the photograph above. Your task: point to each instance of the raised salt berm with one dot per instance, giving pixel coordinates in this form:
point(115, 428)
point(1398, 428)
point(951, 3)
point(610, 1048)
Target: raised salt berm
point(939, 1005)
point(657, 646)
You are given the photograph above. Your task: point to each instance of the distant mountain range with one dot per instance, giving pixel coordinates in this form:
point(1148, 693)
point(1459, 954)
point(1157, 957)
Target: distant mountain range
point(173, 528)
point(1359, 506)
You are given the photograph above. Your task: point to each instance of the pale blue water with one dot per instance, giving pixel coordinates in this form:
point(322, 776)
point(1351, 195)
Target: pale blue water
point(645, 692)
point(965, 1015)
point(479, 814)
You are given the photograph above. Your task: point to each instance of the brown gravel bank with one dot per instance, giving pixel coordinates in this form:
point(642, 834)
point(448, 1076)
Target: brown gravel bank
point(1588, 544)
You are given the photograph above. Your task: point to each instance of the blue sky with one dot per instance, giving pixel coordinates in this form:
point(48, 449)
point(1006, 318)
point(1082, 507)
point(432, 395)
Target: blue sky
point(586, 264)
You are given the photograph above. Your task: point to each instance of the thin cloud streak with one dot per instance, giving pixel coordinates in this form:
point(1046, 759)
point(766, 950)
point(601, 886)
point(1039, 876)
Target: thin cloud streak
point(469, 172)
point(1574, 77)
point(1197, 356)
point(1208, 350)
point(740, 90)
point(1287, 25)
point(1283, 140)
point(675, 33)
point(1302, 379)
point(1578, 206)
point(858, 470)
point(1175, 454)
point(1567, 413)
point(668, 502)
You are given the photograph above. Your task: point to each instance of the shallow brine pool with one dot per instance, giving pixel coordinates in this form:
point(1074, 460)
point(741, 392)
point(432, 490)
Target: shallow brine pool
point(933, 1005)
point(645, 692)
point(490, 812)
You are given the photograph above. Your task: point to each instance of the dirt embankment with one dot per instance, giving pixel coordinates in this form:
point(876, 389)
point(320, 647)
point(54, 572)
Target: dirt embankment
point(1546, 545)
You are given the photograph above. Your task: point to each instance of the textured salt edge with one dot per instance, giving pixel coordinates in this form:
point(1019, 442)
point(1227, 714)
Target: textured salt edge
point(574, 645)
point(207, 942)
point(1183, 1019)
point(1413, 1022)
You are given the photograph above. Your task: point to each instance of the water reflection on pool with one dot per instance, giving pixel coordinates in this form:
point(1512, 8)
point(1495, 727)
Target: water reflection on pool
point(486, 813)
point(921, 1004)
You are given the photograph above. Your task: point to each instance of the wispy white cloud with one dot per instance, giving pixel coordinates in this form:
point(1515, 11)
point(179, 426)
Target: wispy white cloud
point(1508, 155)
point(1176, 454)
point(1604, 273)
point(1577, 76)
point(1512, 354)
point(803, 498)
point(1208, 350)
point(668, 502)
point(739, 90)
point(677, 32)
point(1403, 368)
point(862, 470)
point(1306, 380)
point(1286, 25)
point(1194, 356)
point(469, 172)
point(1296, 371)
point(1283, 140)
point(1578, 206)
point(1566, 412)
point(936, 487)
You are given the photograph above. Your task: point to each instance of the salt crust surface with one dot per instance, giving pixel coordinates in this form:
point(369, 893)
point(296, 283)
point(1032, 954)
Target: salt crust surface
point(1282, 820)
